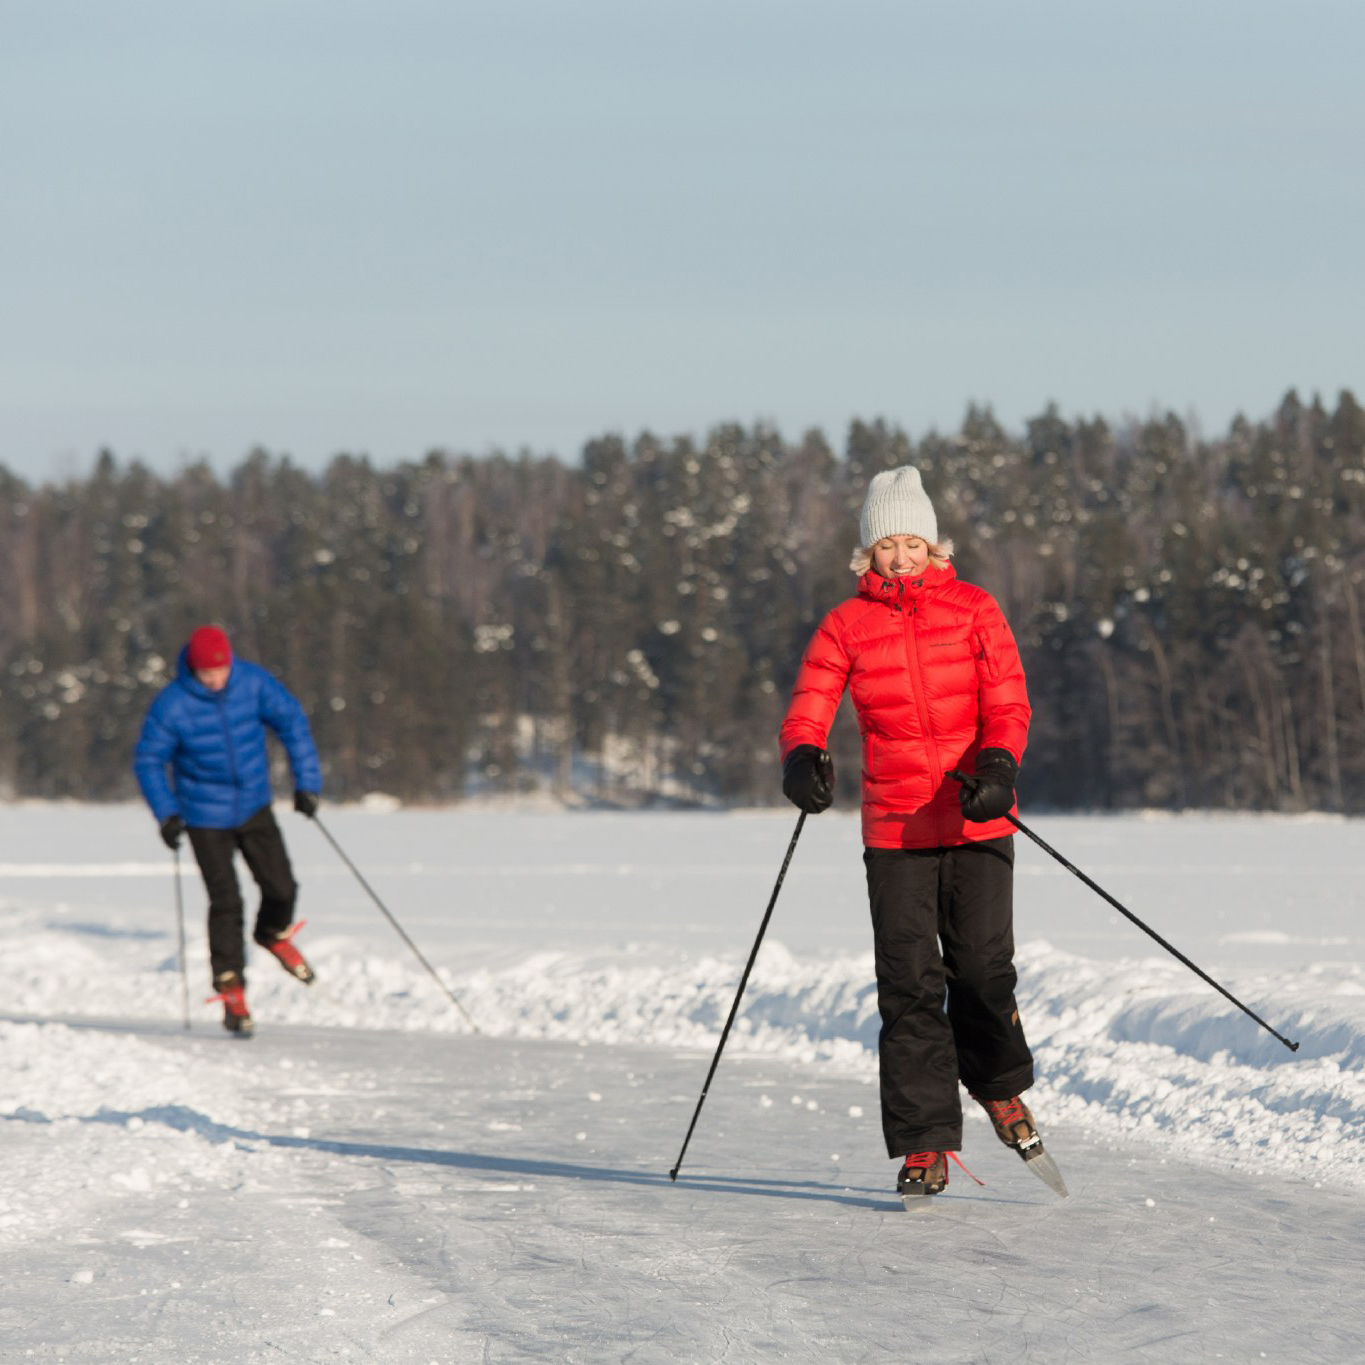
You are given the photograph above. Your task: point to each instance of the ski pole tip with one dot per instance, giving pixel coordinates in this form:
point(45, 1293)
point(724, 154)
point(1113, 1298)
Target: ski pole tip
point(673, 1175)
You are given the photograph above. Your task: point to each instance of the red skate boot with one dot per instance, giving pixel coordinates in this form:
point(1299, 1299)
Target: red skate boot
point(281, 948)
point(232, 992)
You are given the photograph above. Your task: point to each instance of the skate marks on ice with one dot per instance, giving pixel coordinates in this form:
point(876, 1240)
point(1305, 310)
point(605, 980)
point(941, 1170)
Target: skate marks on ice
point(401, 1198)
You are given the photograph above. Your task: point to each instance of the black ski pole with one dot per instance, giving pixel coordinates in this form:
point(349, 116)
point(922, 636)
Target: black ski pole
point(180, 935)
point(739, 995)
point(417, 952)
point(1146, 929)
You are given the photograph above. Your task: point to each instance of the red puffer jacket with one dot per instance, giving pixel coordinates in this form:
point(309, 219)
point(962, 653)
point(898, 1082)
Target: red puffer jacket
point(935, 676)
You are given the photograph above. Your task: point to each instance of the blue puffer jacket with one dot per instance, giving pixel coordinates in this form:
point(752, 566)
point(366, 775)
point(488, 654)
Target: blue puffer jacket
point(214, 743)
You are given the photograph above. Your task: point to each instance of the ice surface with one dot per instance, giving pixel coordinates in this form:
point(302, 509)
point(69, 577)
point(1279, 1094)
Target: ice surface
point(364, 1180)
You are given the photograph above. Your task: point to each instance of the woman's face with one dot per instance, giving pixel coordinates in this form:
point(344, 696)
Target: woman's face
point(900, 556)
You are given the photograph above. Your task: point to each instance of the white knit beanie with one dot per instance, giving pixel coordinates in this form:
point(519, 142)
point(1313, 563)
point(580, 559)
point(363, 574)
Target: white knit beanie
point(897, 505)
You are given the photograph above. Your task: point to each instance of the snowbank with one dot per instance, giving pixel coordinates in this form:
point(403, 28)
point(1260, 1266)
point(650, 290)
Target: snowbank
point(1123, 1047)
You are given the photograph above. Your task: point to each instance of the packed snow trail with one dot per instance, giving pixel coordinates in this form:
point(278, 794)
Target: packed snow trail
point(327, 1195)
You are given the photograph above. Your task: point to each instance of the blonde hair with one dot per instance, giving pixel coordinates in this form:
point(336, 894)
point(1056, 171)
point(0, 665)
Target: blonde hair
point(940, 552)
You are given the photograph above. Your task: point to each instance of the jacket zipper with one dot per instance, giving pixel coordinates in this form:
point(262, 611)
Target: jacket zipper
point(220, 698)
point(910, 622)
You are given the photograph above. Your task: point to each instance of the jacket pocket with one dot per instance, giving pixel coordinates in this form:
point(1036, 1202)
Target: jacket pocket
point(985, 659)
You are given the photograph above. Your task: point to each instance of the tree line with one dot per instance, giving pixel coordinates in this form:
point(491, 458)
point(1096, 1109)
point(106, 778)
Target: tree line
point(626, 629)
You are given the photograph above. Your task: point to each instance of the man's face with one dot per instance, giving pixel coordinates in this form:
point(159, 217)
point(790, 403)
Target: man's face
point(215, 679)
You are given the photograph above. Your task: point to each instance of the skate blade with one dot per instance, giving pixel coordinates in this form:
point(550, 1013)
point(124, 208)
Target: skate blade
point(1043, 1166)
point(916, 1201)
point(916, 1197)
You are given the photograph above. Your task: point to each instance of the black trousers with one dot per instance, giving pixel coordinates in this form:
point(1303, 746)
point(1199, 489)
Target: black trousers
point(262, 846)
point(948, 1012)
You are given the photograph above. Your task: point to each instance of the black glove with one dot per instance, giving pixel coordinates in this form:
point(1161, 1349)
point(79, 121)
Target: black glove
point(172, 827)
point(808, 779)
point(988, 794)
point(306, 803)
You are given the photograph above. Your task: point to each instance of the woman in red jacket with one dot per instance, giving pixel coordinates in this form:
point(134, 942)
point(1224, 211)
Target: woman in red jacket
point(938, 686)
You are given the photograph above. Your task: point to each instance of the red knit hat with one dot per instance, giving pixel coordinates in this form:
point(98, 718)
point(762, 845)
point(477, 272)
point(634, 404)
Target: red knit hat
point(208, 648)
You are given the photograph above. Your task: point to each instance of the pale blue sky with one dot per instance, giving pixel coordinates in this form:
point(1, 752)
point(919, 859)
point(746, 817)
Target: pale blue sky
point(320, 225)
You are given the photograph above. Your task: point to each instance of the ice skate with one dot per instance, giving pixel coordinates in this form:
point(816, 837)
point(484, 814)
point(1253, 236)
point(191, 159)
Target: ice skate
point(1014, 1126)
point(232, 992)
point(281, 948)
point(923, 1174)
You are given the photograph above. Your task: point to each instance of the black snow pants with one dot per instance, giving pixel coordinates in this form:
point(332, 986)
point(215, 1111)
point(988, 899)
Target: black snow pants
point(947, 1014)
point(262, 847)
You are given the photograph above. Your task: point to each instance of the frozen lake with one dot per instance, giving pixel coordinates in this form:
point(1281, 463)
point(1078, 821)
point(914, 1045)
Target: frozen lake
point(1241, 891)
point(366, 1181)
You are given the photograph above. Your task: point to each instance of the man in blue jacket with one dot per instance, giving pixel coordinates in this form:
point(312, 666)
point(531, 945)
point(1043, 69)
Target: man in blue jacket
point(208, 727)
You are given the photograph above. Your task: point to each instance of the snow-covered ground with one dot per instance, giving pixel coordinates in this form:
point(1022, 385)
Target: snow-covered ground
point(366, 1180)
